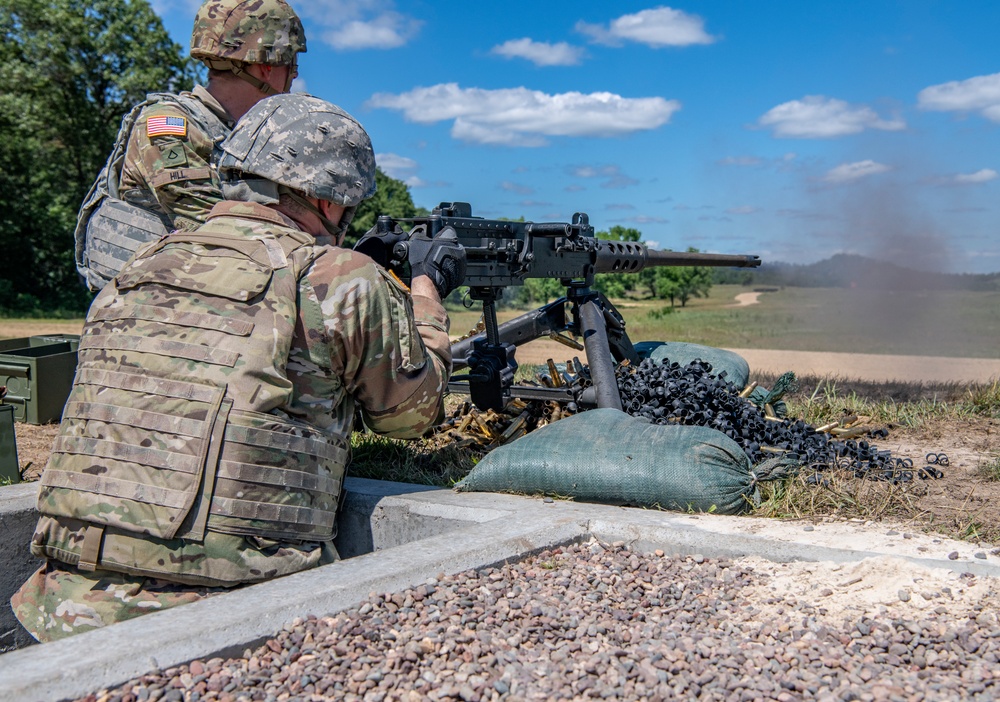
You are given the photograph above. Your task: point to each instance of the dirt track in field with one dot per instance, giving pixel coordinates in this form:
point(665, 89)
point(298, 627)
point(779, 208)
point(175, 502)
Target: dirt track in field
point(822, 364)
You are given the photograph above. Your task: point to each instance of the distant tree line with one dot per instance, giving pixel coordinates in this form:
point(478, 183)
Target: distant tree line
point(853, 271)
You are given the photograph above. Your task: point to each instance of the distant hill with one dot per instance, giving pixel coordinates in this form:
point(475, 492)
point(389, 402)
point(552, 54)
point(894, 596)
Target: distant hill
point(853, 271)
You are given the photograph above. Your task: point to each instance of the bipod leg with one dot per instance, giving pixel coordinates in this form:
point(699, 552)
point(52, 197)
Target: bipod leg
point(618, 341)
point(594, 329)
point(517, 331)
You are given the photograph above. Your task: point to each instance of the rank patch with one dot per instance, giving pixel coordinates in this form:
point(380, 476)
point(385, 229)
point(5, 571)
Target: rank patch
point(166, 126)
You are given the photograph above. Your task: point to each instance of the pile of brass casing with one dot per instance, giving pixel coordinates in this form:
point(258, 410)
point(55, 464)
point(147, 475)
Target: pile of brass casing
point(468, 427)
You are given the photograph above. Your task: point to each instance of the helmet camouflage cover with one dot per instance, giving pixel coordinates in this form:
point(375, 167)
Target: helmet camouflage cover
point(304, 143)
point(249, 31)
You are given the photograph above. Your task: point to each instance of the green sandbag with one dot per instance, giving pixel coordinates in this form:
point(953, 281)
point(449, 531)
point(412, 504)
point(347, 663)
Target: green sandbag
point(605, 455)
point(736, 367)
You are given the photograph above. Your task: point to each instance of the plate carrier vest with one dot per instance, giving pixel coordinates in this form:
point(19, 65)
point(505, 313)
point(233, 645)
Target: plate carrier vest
point(170, 436)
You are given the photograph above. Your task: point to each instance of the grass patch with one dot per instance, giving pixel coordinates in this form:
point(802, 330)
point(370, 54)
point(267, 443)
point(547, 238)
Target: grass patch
point(837, 494)
point(990, 470)
point(380, 458)
point(821, 400)
point(984, 400)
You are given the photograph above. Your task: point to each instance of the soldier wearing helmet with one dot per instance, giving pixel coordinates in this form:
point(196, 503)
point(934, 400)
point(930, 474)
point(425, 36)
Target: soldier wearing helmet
point(162, 172)
point(206, 437)
point(251, 49)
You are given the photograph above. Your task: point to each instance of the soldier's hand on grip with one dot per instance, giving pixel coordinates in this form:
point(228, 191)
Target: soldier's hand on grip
point(442, 259)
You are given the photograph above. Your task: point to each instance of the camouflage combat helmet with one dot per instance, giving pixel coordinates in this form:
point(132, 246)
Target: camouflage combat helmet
point(228, 34)
point(299, 143)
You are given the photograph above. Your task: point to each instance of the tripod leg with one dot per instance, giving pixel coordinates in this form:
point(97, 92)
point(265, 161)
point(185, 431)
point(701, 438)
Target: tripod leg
point(602, 366)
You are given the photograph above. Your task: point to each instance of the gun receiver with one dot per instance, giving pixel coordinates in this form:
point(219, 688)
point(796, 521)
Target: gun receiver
point(502, 254)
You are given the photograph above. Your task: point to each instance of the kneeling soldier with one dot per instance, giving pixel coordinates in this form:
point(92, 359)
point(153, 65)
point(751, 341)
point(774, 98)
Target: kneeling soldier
point(206, 437)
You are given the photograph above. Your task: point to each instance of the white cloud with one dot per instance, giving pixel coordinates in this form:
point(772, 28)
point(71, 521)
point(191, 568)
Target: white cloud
point(743, 210)
point(741, 161)
point(404, 169)
point(352, 25)
point(522, 117)
point(534, 203)
point(388, 31)
point(848, 172)
point(540, 53)
point(980, 94)
point(396, 166)
point(658, 27)
point(619, 206)
point(614, 178)
point(983, 175)
point(644, 219)
point(299, 86)
point(819, 117)
point(171, 7)
point(512, 187)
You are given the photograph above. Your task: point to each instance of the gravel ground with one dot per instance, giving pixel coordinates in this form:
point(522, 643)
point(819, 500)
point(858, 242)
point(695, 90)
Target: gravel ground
point(597, 621)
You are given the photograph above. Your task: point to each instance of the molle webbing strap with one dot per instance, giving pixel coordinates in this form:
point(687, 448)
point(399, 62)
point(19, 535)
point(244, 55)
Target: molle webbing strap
point(90, 554)
point(214, 322)
point(145, 384)
point(107, 261)
point(122, 460)
point(269, 511)
point(114, 414)
point(159, 347)
point(114, 487)
point(154, 458)
point(280, 477)
point(286, 442)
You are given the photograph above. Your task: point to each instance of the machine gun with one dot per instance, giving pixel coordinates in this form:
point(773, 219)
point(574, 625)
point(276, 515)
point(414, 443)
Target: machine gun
point(502, 254)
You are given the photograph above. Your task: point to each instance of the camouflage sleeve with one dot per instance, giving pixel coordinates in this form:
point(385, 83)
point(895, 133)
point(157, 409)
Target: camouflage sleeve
point(167, 166)
point(391, 350)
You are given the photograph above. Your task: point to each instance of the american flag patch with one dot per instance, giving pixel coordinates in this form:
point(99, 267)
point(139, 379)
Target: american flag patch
point(166, 126)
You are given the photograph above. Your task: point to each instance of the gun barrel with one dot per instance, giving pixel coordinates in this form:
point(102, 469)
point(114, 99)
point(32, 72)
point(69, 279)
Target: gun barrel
point(629, 257)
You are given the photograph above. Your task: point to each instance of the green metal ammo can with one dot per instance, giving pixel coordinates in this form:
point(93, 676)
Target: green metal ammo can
point(10, 470)
point(38, 372)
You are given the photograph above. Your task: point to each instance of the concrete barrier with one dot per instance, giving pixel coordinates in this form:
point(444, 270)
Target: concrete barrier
point(407, 534)
point(375, 515)
point(17, 524)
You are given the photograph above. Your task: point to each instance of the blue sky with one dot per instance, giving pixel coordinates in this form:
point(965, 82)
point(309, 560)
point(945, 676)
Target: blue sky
point(789, 129)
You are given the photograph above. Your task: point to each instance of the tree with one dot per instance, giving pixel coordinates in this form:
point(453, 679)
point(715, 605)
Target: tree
point(69, 69)
point(681, 282)
point(695, 281)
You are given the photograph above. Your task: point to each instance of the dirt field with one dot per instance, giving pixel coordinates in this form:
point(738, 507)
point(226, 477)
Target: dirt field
point(821, 364)
point(17, 328)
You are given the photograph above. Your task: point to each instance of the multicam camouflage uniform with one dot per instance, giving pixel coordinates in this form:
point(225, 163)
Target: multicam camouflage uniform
point(169, 165)
point(205, 440)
